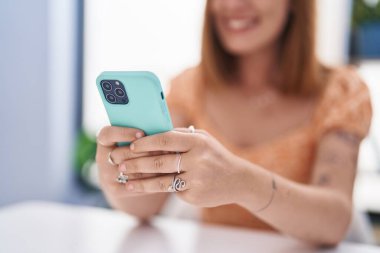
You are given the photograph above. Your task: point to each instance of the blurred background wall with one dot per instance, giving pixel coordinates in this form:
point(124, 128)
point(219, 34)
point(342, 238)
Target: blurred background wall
point(39, 71)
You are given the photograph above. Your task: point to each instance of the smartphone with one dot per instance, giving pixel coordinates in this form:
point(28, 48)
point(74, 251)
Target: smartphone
point(134, 99)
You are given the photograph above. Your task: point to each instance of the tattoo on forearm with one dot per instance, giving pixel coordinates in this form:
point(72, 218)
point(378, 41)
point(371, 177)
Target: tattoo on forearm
point(323, 180)
point(345, 159)
point(339, 155)
point(342, 160)
point(349, 138)
point(331, 157)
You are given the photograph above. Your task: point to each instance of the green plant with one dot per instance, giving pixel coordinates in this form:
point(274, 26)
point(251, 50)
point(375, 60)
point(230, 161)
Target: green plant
point(85, 150)
point(365, 11)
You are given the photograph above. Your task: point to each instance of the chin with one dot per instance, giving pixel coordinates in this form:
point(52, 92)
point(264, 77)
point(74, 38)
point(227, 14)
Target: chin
point(241, 49)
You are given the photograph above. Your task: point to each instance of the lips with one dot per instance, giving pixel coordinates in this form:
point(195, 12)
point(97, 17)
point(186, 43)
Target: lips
point(239, 24)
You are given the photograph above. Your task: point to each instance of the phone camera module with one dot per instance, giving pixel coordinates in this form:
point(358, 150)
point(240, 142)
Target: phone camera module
point(111, 98)
point(119, 92)
point(114, 92)
point(106, 86)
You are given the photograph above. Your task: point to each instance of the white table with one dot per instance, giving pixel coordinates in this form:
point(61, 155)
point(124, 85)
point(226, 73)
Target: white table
point(52, 228)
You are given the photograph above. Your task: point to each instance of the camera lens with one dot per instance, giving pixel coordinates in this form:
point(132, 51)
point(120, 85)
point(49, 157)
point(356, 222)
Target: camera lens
point(111, 98)
point(107, 86)
point(119, 92)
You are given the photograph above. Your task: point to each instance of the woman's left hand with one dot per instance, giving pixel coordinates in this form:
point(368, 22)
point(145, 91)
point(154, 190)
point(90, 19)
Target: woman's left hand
point(211, 173)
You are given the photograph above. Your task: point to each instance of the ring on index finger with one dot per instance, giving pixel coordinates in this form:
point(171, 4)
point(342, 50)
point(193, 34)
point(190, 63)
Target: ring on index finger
point(110, 160)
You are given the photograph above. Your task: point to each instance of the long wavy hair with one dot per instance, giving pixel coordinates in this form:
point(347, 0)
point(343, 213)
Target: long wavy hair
point(300, 71)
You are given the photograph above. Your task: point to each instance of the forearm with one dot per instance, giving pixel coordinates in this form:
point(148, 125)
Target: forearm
point(141, 205)
point(311, 213)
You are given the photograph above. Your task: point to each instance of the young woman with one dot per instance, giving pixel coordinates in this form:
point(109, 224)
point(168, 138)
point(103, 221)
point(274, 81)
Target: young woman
point(277, 134)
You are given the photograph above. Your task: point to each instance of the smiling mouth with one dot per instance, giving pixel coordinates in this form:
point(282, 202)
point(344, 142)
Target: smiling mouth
point(240, 24)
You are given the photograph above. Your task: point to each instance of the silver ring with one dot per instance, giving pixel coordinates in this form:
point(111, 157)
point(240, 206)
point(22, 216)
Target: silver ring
point(110, 159)
point(192, 129)
point(179, 162)
point(177, 185)
point(122, 178)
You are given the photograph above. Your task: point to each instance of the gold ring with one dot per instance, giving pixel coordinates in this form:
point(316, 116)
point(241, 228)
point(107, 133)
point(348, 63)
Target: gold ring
point(110, 159)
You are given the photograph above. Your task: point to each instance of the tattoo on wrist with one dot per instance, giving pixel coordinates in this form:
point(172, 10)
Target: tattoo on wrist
point(274, 189)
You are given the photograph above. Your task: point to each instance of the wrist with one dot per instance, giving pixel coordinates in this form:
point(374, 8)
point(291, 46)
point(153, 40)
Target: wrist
point(243, 182)
point(256, 188)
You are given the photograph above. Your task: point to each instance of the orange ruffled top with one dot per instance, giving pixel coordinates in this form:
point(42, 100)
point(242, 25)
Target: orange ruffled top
point(344, 105)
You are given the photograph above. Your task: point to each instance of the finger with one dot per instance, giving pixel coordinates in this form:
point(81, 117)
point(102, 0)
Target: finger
point(188, 130)
point(170, 163)
point(135, 176)
point(102, 155)
point(110, 176)
point(122, 154)
point(106, 158)
point(116, 190)
point(174, 141)
point(158, 184)
point(110, 135)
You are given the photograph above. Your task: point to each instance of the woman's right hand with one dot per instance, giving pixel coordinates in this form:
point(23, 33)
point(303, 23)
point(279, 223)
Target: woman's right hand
point(106, 147)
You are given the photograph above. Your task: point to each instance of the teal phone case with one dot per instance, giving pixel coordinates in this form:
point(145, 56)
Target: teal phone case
point(146, 108)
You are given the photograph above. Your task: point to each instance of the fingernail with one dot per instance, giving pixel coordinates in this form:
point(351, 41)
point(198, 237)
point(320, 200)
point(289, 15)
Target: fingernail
point(139, 135)
point(132, 146)
point(130, 187)
point(98, 132)
point(97, 139)
point(123, 167)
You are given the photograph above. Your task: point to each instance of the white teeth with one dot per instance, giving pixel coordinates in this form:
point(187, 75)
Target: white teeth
point(238, 24)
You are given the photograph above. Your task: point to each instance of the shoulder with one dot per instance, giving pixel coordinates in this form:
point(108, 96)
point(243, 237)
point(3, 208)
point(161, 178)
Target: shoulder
point(187, 79)
point(345, 89)
point(345, 81)
point(345, 103)
point(182, 96)
point(183, 87)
